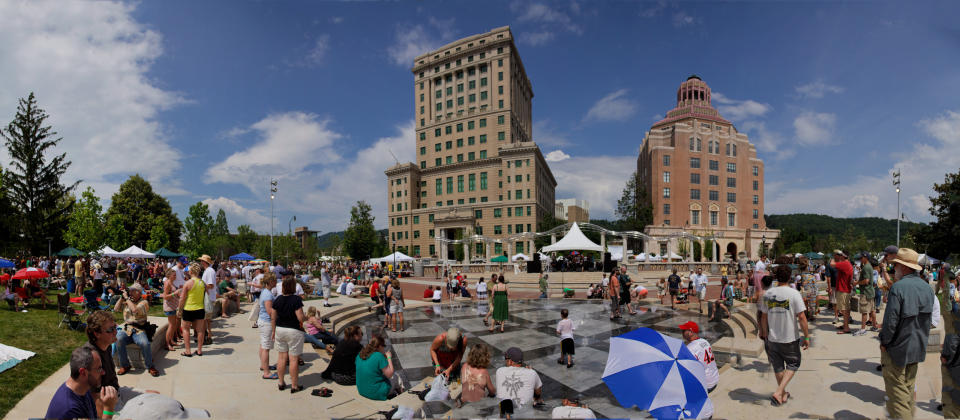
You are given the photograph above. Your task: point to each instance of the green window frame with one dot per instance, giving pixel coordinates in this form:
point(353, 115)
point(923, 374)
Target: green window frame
point(459, 183)
point(416, 220)
point(471, 85)
point(449, 103)
point(459, 142)
point(518, 195)
point(483, 95)
point(449, 185)
point(423, 136)
point(500, 104)
point(501, 136)
point(439, 191)
point(460, 100)
point(449, 160)
point(423, 150)
point(483, 81)
point(470, 125)
point(423, 164)
point(500, 119)
point(483, 179)
point(436, 132)
point(497, 213)
point(472, 182)
point(470, 141)
point(472, 98)
point(500, 76)
point(483, 154)
point(459, 127)
point(439, 93)
point(500, 90)
point(437, 147)
point(471, 156)
point(459, 157)
point(459, 87)
point(497, 230)
point(483, 138)
point(449, 144)
point(437, 162)
point(483, 122)
point(478, 214)
point(450, 90)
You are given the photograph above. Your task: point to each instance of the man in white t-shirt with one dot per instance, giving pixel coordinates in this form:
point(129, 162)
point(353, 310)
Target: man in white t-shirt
point(210, 278)
point(782, 307)
point(348, 289)
point(517, 386)
point(700, 287)
point(572, 410)
point(762, 264)
point(702, 351)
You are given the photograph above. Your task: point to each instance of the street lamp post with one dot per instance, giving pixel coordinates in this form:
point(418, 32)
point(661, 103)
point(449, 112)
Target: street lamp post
point(273, 193)
point(896, 183)
point(289, 224)
point(763, 245)
point(394, 255)
point(49, 247)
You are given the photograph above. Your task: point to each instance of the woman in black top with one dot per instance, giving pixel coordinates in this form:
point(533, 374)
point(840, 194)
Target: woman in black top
point(343, 367)
point(287, 318)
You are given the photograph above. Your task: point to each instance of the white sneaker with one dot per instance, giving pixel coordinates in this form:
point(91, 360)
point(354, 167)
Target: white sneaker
point(860, 332)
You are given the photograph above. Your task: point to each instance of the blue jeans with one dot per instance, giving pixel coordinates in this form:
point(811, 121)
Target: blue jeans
point(877, 299)
point(141, 340)
point(321, 339)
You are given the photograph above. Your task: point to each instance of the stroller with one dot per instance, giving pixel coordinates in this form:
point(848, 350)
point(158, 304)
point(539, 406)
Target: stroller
point(682, 295)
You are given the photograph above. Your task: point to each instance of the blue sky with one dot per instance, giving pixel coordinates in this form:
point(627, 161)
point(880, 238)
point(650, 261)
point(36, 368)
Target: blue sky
point(209, 100)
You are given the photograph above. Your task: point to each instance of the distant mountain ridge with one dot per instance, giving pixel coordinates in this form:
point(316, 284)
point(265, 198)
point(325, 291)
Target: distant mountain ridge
point(804, 232)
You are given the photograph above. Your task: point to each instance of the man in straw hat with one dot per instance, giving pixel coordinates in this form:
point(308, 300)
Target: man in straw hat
point(210, 279)
point(906, 327)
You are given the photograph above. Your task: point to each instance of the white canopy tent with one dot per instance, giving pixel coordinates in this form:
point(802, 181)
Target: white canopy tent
point(616, 252)
point(520, 256)
point(574, 240)
point(396, 256)
point(135, 252)
point(674, 256)
point(641, 256)
point(106, 251)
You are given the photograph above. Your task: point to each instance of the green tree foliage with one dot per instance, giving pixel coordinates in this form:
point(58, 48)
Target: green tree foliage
point(158, 238)
point(33, 181)
point(85, 231)
point(708, 250)
point(245, 239)
point(360, 238)
point(697, 251)
point(220, 235)
point(115, 234)
point(546, 223)
point(939, 239)
point(199, 228)
point(139, 209)
point(634, 209)
point(801, 233)
point(6, 219)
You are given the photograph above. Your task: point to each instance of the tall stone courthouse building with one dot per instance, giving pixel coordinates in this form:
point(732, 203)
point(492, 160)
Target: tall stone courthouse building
point(477, 169)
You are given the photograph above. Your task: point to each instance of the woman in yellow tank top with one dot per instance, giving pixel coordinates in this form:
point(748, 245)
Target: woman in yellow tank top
point(191, 309)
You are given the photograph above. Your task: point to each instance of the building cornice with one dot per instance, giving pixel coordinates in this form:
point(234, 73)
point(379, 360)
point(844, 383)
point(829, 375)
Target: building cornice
point(401, 168)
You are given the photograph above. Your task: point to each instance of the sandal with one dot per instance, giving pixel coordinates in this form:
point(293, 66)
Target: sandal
point(186, 354)
point(281, 386)
point(123, 370)
point(154, 372)
point(198, 353)
point(322, 392)
point(270, 376)
point(296, 389)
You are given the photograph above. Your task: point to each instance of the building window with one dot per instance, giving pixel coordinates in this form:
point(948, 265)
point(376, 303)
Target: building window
point(756, 171)
point(666, 176)
point(714, 195)
point(731, 197)
point(731, 183)
point(694, 194)
point(714, 165)
point(449, 144)
point(423, 136)
point(470, 141)
point(666, 193)
point(731, 219)
point(695, 163)
point(756, 199)
point(728, 149)
point(483, 177)
point(732, 167)
point(471, 156)
point(416, 234)
point(433, 248)
point(483, 122)
point(478, 214)
point(714, 215)
point(483, 138)
point(472, 181)
point(756, 185)
point(436, 132)
point(483, 154)
point(437, 162)
point(423, 150)
point(459, 183)
point(500, 90)
point(497, 213)
point(439, 187)
point(449, 185)
point(756, 215)
point(694, 178)
point(699, 145)
point(756, 226)
point(483, 95)
point(695, 217)
point(500, 104)
point(666, 160)
point(483, 81)
point(666, 209)
point(497, 230)
point(501, 136)
point(714, 180)
point(423, 164)
point(449, 160)
point(500, 76)
point(416, 220)
point(500, 119)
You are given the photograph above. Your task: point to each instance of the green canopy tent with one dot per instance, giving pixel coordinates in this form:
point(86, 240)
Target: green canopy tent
point(166, 253)
point(70, 252)
point(499, 259)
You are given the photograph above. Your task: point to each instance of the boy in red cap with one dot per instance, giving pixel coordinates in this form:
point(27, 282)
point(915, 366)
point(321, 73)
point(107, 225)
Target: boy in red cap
point(702, 351)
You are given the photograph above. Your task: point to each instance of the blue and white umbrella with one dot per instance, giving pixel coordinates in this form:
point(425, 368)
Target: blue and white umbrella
point(656, 373)
point(7, 263)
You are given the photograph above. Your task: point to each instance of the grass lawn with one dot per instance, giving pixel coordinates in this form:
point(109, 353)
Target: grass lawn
point(34, 331)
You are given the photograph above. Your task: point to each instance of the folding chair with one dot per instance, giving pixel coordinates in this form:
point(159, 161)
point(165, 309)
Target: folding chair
point(67, 313)
point(90, 303)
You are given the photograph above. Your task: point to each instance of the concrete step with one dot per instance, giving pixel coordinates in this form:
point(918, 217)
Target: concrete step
point(339, 326)
point(732, 347)
point(337, 321)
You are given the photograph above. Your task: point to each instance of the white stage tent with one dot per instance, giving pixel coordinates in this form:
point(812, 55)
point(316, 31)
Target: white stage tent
point(106, 251)
point(574, 240)
point(396, 256)
point(135, 252)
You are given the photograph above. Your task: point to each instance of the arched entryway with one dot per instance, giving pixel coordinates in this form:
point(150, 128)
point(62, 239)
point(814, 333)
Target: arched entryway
point(732, 250)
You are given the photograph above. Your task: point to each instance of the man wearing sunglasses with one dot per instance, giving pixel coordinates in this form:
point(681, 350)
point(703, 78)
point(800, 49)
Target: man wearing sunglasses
point(76, 398)
point(101, 333)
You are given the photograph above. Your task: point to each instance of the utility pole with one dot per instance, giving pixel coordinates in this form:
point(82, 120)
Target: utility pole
point(273, 193)
point(896, 183)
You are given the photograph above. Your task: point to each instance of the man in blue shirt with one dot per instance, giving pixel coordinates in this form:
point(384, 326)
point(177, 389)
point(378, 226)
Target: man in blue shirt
point(73, 399)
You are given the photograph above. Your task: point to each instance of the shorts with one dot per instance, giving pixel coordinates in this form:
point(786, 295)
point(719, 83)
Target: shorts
point(266, 335)
point(750, 290)
point(614, 303)
point(783, 355)
point(170, 313)
point(290, 341)
point(702, 293)
point(625, 298)
point(396, 308)
point(506, 408)
point(866, 304)
point(195, 315)
point(673, 292)
point(843, 301)
point(566, 346)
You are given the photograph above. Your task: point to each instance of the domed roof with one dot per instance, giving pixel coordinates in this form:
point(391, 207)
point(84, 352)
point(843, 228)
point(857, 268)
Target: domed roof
point(694, 76)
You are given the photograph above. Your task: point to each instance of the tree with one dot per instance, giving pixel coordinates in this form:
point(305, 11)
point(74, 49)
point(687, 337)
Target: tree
point(115, 235)
point(7, 213)
point(245, 239)
point(939, 239)
point(85, 231)
point(634, 208)
point(33, 182)
point(199, 227)
point(360, 238)
point(139, 209)
point(158, 238)
point(220, 234)
point(708, 250)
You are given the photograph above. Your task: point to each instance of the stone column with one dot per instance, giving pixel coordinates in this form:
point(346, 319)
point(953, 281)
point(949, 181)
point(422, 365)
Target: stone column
point(487, 254)
point(443, 244)
point(553, 238)
point(626, 256)
point(530, 248)
point(466, 252)
point(603, 240)
point(510, 249)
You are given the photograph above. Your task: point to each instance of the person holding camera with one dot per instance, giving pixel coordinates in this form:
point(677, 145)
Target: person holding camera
point(136, 329)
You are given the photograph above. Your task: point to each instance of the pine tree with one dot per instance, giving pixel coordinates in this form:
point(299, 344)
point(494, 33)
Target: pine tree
point(32, 181)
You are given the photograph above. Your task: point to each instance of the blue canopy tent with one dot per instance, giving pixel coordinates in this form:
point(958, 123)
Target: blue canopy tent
point(243, 256)
point(7, 263)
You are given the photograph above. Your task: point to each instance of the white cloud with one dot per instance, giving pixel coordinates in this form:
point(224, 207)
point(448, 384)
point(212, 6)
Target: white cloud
point(336, 20)
point(597, 179)
point(316, 54)
point(289, 143)
point(536, 38)
point(239, 215)
point(315, 183)
point(816, 89)
point(655, 10)
point(766, 140)
point(813, 128)
point(88, 64)
point(613, 107)
point(738, 110)
point(413, 40)
point(556, 156)
point(922, 165)
point(544, 134)
point(682, 18)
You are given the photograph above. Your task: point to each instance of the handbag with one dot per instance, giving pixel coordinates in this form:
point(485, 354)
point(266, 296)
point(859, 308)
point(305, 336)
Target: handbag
point(439, 391)
point(207, 304)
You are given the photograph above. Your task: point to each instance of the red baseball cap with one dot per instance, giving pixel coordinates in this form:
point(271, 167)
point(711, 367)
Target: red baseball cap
point(690, 325)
